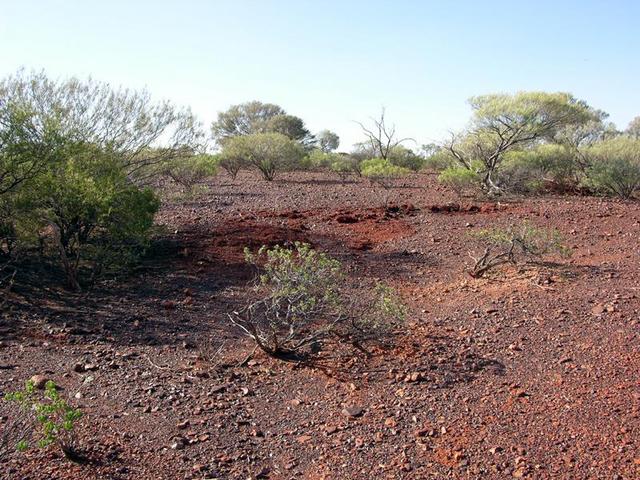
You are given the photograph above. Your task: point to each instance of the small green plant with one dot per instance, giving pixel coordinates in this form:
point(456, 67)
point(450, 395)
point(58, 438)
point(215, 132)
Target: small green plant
point(343, 166)
point(461, 180)
point(304, 300)
point(43, 417)
point(514, 245)
point(382, 172)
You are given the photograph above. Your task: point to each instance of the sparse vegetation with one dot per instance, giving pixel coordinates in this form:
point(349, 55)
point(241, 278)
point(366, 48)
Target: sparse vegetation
point(269, 153)
point(514, 245)
point(615, 167)
point(41, 418)
point(304, 300)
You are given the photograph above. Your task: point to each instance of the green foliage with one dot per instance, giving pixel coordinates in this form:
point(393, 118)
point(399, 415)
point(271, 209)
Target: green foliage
point(382, 171)
point(256, 117)
point(439, 161)
point(515, 244)
point(615, 167)
point(96, 217)
point(462, 180)
point(268, 152)
point(633, 129)
point(344, 166)
point(53, 419)
point(503, 123)
point(304, 299)
point(405, 157)
point(328, 141)
point(191, 170)
point(74, 159)
point(543, 167)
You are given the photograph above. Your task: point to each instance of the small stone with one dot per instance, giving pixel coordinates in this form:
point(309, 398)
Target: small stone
point(390, 422)
point(352, 412)
point(304, 438)
point(598, 309)
point(178, 443)
point(183, 425)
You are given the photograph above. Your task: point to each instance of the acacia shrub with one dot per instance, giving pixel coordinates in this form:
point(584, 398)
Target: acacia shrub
point(615, 167)
point(304, 300)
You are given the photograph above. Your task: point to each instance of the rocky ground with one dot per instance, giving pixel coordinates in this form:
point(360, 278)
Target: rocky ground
point(532, 372)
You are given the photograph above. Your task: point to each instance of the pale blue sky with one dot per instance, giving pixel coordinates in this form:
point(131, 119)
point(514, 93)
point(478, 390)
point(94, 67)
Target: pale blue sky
point(332, 62)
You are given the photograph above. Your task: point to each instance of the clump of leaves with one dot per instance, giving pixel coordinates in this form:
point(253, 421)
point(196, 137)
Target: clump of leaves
point(304, 300)
point(190, 171)
point(515, 244)
point(461, 180)
point(382, 171)
point(42, 417)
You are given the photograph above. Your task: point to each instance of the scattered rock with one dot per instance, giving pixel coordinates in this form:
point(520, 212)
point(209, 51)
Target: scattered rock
point(352, 412)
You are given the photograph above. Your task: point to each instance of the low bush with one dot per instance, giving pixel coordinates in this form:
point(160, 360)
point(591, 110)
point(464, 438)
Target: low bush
point(615, 167)
point(267, 152)
point(404, 157)
point(190, 171)
point(304, 300)
point(382, 171)
point(546, 167)
point(42, 418)
point(515, 244)
point(461, 180)
point(88, 211)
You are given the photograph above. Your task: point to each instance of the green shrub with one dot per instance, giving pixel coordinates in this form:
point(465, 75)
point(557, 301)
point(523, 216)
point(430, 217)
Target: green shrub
point(461, 180)
point(344, 166)
point(404, 157)
point(439, 161)
point(615, 167)
point(95, 217)
point(268, 152)
point(548, 166)
point(382, 171)
point(304, 299)
point(42, 417)
point(190, 171)
point(513, 245)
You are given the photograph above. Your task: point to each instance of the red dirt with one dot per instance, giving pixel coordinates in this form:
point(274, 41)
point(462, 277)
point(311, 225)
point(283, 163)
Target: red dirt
point(530, 373)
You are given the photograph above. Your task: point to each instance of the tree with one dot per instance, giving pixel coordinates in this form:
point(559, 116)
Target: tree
point(578, 137)
point(328, 141)
point(292, 127)
point(268, 152)
point(381, 137)
point(122, 121)
point(633, 130)
point(257, 117)
point(503, 122)
point(244, 119)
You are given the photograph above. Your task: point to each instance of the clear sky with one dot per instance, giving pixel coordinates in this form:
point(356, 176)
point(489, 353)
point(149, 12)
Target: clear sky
point(332, 62)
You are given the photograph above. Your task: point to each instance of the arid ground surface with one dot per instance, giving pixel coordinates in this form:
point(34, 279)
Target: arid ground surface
point(532, 372)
